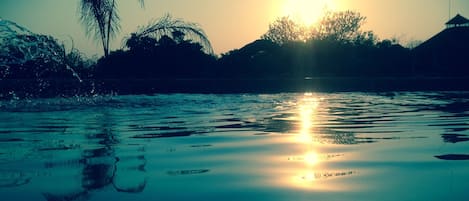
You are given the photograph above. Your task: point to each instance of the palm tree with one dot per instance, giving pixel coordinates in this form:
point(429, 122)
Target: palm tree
point(101, 19)
point(177, 29)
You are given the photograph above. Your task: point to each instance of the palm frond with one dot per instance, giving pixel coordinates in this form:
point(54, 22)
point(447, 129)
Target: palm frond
point(92, 17)
point(142, 3)
point(113, 18)
point(100, 19)
point(167, 26)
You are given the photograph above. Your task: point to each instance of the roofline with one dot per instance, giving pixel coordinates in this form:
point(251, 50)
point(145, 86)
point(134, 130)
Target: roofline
point(458, 17)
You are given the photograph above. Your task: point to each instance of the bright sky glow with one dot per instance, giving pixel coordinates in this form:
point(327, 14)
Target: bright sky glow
point(307, 12)
point(231, 24)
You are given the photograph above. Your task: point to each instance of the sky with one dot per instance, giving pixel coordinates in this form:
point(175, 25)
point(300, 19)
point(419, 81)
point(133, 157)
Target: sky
point(231, 24)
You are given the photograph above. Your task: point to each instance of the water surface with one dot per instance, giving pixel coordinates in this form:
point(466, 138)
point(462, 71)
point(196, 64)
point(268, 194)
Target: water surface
point(311, 146)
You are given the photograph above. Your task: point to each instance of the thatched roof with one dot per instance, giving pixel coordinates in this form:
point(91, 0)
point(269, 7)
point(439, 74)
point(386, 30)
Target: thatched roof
point(458, 20)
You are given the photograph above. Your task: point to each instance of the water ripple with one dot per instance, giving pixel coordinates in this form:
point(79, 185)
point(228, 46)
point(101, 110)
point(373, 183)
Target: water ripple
point(316, 143)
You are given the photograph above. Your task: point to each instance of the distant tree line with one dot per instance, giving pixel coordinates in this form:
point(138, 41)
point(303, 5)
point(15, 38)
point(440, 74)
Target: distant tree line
point(337, 47)
point(170, 48)
point(166, 48)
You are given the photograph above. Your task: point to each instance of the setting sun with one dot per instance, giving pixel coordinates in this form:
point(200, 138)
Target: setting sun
point(307, 12)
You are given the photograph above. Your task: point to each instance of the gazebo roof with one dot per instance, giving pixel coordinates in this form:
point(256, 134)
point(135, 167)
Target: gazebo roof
point(458, 20)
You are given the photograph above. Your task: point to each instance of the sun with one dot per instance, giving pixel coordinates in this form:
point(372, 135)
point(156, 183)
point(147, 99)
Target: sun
point(307, 12)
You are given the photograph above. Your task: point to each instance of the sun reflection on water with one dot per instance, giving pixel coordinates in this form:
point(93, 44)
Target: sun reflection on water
point(311, 166)
point(311, 158)
point(307, 109)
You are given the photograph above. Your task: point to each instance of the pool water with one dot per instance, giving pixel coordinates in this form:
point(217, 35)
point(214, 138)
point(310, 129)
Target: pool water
point(290, 146)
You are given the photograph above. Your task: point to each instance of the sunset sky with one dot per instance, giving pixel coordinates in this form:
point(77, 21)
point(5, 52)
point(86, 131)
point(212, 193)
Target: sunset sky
point(231, 24)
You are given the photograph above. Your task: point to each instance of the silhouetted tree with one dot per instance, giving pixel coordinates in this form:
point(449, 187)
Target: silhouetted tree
point(150, 55)
point(136, 43)
point(345, 27)
point(177, 29)
point(261, 59)
point(100, 18)
point(284, 30)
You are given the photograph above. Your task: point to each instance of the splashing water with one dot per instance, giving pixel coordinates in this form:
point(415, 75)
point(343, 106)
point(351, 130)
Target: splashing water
point(30, 56)
point(19, 46)
point(74, 73)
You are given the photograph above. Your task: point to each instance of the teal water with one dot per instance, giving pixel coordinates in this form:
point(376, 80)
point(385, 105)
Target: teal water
point(311, 146)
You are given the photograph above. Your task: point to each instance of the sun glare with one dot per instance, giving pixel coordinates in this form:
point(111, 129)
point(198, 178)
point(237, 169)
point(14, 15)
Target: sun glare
point(311, 158)
point(307, 12)
point(307, 108)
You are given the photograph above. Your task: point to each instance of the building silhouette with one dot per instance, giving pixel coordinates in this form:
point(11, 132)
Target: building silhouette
point(457, 21)
point(445, 54)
